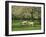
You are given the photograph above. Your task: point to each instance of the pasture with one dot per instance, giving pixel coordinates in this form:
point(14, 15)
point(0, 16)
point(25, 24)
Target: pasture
point(17, 26)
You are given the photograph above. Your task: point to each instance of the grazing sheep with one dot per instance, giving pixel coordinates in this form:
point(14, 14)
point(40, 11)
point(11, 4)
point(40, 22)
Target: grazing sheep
point(24, 22)
point(31, 23)
point(27, 23)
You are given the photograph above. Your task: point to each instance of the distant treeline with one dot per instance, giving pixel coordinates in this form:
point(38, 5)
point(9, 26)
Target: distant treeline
point(26, 13)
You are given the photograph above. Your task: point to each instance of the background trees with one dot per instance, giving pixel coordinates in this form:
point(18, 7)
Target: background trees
point(26, 12)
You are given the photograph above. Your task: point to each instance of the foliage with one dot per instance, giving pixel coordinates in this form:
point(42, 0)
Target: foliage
point(22, 12)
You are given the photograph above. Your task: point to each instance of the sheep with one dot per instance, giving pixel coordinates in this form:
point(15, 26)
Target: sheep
point(27, 23)
point(31, 23)
point(24, 22)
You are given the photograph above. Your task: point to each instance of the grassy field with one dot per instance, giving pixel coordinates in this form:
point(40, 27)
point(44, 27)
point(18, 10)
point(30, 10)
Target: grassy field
point(17, 26)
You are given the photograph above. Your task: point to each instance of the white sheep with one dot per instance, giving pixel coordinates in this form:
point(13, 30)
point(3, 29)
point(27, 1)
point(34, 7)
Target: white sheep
point(31, 23)
point(24, 22)
point(27, 23)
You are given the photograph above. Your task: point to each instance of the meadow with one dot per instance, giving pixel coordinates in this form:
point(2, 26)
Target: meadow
point(17, 26)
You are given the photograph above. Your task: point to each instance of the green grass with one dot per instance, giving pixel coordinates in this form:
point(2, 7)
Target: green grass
point(17, 26)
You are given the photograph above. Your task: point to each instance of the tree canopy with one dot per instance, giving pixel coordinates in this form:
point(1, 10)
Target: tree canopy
point(26, 12)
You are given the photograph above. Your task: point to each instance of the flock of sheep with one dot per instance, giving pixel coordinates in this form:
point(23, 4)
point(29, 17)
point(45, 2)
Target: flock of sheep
point(28, 23)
